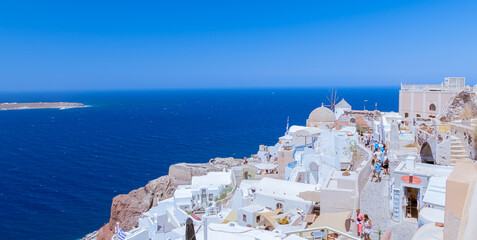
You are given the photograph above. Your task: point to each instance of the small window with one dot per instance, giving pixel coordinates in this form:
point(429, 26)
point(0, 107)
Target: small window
point(258, 219)
point(406, 115)
point(352, 120)
point(418, 115)
point(432, 107)
point(244, 218)
point(279, 205)
point(211, 197)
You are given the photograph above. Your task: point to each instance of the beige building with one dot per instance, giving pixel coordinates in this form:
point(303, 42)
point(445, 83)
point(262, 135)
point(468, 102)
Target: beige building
point(428, 101)
point(285, 156)
point(321, 117)
point(461, 202)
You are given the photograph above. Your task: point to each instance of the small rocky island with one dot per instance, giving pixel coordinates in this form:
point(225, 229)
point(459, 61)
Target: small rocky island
point(40, 105)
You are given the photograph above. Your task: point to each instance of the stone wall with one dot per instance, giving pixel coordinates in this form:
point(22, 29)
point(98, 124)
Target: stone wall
point(443, 151)
point(394, 137)
point(364, 170)
point(439, 142)
point(337, 200)
point(423, 137)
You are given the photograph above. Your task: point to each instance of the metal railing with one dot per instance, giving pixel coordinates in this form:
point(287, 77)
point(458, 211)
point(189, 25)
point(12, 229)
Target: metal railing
point(292, 164)
point(433, 87)
point(327, 230)
point(302, 147)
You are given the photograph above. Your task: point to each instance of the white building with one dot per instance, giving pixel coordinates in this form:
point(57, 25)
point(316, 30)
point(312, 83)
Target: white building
point(306, 136)
point(202, 191)
point(310, 168)
point(411, 188)
point(341, 107)
point(158, 222)
point(280, 194)
point(248, 216)
point(233, 231)
point(434, 201)
point(267, 153)
point(329, 150)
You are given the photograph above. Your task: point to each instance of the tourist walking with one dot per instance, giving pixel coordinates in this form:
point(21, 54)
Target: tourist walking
point(385, 164)
point(371, 143)
point(377, 169)
point(373, 170)
point(359, 222)
point(378, 154)
point(368, 227)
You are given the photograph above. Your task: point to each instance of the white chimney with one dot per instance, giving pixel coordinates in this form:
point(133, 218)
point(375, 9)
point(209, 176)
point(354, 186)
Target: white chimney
point(411, 162)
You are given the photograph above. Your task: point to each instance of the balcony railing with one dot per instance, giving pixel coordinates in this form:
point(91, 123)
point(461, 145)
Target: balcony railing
point(327, 230)
point(433, 87)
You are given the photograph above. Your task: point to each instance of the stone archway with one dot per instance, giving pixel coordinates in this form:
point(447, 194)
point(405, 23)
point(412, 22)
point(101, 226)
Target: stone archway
point(426, 154)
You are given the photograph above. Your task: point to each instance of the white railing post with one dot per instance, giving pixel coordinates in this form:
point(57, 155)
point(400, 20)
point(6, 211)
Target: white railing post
point(327, 230)
point(204, 221)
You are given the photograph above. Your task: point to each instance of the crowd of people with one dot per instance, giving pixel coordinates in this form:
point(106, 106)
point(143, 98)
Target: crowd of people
point(379, 167)
point(380, 162)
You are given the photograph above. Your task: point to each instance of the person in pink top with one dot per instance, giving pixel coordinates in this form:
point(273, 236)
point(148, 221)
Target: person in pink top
point(359, 222)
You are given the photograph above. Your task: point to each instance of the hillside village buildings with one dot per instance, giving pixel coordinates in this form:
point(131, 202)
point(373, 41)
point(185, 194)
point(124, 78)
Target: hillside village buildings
point(311, 182)
point(428, 101)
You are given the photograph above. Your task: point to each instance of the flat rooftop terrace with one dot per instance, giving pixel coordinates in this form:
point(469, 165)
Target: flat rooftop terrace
point(424, 169)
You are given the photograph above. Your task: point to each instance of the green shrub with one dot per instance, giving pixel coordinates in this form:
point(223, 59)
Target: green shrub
point(224, 190)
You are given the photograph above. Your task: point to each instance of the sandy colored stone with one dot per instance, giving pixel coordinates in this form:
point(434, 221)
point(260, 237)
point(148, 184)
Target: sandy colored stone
point(456, 104)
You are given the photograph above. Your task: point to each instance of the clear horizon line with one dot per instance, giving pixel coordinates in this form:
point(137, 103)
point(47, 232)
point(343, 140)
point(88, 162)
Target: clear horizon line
point(199, 89)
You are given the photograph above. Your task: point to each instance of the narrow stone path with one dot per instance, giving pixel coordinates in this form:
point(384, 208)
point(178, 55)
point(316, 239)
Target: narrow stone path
point(375, 203)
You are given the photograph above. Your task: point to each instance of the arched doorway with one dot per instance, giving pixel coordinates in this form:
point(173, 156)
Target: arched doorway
point(314, 170)
point(426, 154)
point(432, 107)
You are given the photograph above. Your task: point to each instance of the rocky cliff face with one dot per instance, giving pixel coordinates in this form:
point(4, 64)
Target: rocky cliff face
point(127, 208)
point(456, 105)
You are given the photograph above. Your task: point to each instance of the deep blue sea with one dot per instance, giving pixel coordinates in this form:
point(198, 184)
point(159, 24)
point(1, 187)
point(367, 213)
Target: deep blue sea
point(60, 169)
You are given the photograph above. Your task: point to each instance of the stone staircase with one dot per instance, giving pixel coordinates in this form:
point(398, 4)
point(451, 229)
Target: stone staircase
point(458, 152)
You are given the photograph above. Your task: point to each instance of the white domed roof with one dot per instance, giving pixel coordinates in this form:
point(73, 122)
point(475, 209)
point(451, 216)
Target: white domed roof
point(322, 114)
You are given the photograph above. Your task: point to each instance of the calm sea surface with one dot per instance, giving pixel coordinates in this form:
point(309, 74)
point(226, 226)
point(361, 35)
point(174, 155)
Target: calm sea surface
point(60, 169)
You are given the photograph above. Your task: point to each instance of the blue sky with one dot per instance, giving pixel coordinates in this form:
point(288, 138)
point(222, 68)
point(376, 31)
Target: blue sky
point(89, 45)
